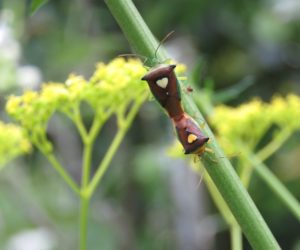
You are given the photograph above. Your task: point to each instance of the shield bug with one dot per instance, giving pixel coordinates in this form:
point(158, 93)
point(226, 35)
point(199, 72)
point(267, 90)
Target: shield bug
point(190, 135)
point(163, 84)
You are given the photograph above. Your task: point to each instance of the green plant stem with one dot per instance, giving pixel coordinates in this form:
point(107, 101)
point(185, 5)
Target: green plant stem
point(275, 184)
point(103, 166)
point(218, 200)
point(76, 117)
point(236, 237)
point(135, 29)
point(88, 139)
point(87, 152)
point(62, 172)
point(275, 144)
point(84, 198)
point(218, 167)
point(265, 153)
point(84, 207)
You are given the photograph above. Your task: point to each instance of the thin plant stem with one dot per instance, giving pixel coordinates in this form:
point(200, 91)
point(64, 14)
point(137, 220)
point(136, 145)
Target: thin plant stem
point(88, 140)
point(76, 117)
point(275, 144)
point(236, 237)
point(265, 153)
point(275, 184)
point(87, 152)
point(218, 166)
point(85, 199)
point(84, 206)
point(103, 166)
point(234, 228)
point(62, 172)
point(218, 200)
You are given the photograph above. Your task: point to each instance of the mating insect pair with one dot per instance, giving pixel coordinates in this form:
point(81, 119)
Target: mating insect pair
point(165, 88)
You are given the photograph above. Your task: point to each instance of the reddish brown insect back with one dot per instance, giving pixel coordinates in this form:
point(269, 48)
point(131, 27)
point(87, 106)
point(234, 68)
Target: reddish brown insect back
point(164, 86)
point(190, 135)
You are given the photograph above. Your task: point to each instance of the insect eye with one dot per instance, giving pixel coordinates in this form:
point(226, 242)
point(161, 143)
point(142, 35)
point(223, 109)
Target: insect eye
point(162, 82)
point(191, 138)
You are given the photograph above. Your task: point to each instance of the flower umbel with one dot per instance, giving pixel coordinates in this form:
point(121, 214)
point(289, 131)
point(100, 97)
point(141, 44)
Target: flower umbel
point(111, 89)
point(249, 122)
point(114, 89)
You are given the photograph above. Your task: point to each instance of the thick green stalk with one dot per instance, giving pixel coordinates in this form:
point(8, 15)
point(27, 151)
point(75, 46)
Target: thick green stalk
point(134, 28)
point(218, 167)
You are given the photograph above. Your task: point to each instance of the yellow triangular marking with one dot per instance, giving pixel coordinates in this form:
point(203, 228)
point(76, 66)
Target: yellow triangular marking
point(191, 138)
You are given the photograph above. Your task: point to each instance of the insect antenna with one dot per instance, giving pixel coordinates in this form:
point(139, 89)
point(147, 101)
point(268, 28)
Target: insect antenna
point(162, 42)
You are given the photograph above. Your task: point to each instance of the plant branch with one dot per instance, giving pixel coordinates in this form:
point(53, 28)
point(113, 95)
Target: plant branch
point(265, 153)
point(102, 168)
point(274, 145)
point(76, 117)
point(275, 184)
point(62, 172)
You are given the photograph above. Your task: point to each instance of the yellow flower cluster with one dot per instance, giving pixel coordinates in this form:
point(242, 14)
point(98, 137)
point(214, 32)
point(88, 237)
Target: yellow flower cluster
point(112, 88)
point(249, 122)
point(13, 142)
point(117, 83)
point(286, 111)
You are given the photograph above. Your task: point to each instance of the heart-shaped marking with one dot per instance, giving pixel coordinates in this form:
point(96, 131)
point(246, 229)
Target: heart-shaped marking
point(191, 138)
point(163, 82)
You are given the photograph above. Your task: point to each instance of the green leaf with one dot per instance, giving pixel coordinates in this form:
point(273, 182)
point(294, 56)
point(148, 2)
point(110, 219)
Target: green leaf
point(36, 4)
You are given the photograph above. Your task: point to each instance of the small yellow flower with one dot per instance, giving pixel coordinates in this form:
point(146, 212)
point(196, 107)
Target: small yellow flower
point(52, 92)
point(286, 111)
point(13, 104)
point(180, 69)
point(12, 142)
point(29, 97)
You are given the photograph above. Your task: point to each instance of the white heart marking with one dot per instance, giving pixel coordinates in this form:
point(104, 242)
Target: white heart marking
point(163, 82)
